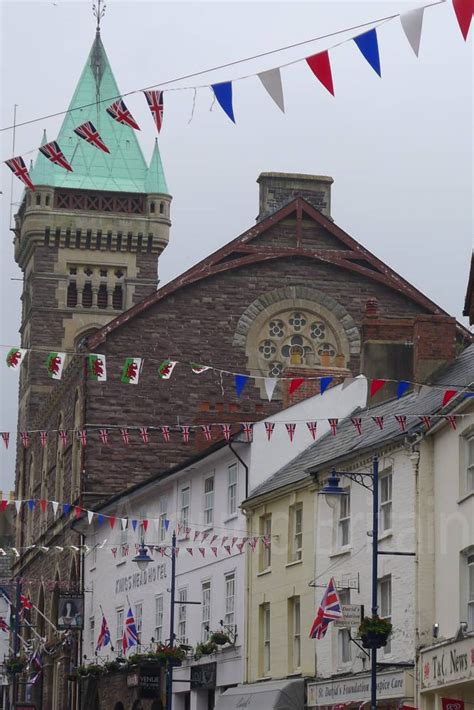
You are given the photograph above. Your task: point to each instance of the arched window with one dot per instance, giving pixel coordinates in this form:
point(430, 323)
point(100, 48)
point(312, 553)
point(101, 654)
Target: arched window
point(47, 200)
point(119, 706)
point(71, 301)
point(152, 207)
point(76, 450)
point(102, 296)
point(87, 295)
point(162, 207)
point(117, 297)
point(38, 199)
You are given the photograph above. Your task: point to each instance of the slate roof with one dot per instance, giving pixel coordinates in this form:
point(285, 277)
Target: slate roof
point(125, 169)
point(348, 442)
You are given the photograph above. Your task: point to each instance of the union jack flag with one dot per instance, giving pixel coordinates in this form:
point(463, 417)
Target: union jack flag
point(25, 439)
point(247, 428)
point(104, 635)
point(63, 437)
point(6, 438)
point(290, 428)
point(25, 604)
point(357, 422)
point(269, 427)
point(329, 610)
point(312, 426)
point(18, 168)
point(226, 431)
point(185, 433)
point(402, 420)
point(333, 425)
point(53, 152)
point(206, 430)
point(82, 436)
point(43, 438)
point(379, 422)
point(253, 543)
point(144, 434)
point(89, 133)
point(155, 103)
point(125, 436)
point(121, 114)
point(104, 436)
point(3, 625)
point(165, 430)
point(426, 421)
point(452, 421)
point(202, 550)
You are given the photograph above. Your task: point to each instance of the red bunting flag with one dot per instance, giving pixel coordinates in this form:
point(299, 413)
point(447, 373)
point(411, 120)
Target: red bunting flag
point(379, 422)
point(43, 505)
point(156, 105)
point(214, 549)
point(402, 420)
point(240, 547)
point(333, 424)
point(104, 436)
point(77, 511)
point(82, 436)
point(247, 428)
point(206, 430)
point(165, 430)
point(426, 421)
point(144, 434)
point(120, 113)
point(226, 431)
point(214, 538)
point(253, 543)
point(18, 168)
point(185, 433)
point(290, 428)
point(53, 152)
point(312, 426)
point(321, 68)
point(447, 397)
point(375, 386)
point(125, 436)
point(464, 10)
point(452, 422)
point(234, 540)
point(25, 439)
point(190, 550)
point(43, 438)
point(187, 533)
point(357, 422)
point(112, 520)
point(89, 133)
point(205, 535)
point(3, 505)
point(202, 550)
point(269, 427)
point(224, 538)
point(227, 549)
point(295, 384)
point(145, 525)
point(63, 437)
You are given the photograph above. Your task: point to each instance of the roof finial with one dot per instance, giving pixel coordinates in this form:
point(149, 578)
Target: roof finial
point(98, 10)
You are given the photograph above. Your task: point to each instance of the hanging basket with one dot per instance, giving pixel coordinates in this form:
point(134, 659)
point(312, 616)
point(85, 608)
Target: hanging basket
point(374, 640)
point(374, 632)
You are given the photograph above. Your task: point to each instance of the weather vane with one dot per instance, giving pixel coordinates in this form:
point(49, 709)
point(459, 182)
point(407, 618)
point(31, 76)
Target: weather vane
point(98, 10)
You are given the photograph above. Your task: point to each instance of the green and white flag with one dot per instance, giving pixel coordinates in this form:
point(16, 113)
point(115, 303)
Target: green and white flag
point(55, 364)
point(15, 357)
point(166, 368)
point(131, 370)
point(96, 367)
point(197, 369)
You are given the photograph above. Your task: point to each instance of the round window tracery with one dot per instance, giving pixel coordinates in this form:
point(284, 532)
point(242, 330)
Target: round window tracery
point(276, 328)
point(268, 349)
point(297, 321)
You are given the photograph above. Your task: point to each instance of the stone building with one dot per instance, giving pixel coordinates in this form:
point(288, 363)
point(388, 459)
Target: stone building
point(293, 294)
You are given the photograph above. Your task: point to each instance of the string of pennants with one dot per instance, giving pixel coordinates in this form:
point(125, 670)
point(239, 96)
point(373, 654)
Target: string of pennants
point(319, 64)
point(105, 434)
point(133, 366)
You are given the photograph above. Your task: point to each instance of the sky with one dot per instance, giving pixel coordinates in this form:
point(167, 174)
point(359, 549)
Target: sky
point(400, 147)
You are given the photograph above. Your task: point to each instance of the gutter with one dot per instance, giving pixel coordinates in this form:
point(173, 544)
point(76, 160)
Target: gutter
point(244, 465)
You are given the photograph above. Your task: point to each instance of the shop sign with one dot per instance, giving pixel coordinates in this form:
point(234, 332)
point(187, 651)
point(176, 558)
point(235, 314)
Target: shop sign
point(132, 680)
point(357, 688)
point(149, 681)
point(447, 664)
point(351, 615)
point(203, 676)
point(139, 579)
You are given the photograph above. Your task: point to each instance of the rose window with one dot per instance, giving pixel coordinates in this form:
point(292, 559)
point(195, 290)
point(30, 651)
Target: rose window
point(268, 349)
point(326, 349)
point(275, 328)
point(296, 345)
point(318, 331)
point(297, 321)
point(275, 369)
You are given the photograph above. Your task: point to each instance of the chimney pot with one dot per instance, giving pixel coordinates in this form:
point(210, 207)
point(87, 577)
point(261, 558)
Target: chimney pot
point(278, 189)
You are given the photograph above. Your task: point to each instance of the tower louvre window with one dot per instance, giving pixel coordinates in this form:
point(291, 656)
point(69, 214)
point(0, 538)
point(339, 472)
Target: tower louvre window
point(117, 297)
point(152, 206)
point(102, 296)
point(162, 207)
point(87, 295)
point(71, 295)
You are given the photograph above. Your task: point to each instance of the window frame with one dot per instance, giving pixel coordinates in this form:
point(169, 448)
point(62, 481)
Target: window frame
point(138, 617)
point(119, 628)
point(266, 549)
point(266, 638)
point(182, 615)
point(229, 607)
point(469, 467)
point(383, 583)
point(295, 637)
point(206, 591)
point(385, 505)
point(92, 634)
point(162, 531)
point(184, 518)
point(208, 506)
point(344, 521)
point(159, 616)
point(232, 489)
point(296, 533)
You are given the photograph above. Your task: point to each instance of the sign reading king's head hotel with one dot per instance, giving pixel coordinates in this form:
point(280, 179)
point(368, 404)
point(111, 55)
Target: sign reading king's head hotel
point(447, 664)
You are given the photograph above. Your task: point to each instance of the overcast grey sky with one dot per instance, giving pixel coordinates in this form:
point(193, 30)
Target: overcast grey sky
point(400, 148)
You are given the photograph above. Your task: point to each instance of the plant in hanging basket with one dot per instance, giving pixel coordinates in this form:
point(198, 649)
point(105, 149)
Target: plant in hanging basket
point(174, 655)
point(93, 669)
point(205, 649)
point(14, 665)
point(374, 632)
point(220, 638)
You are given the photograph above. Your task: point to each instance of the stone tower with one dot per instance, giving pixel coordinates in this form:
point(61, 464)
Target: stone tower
point(87, 241)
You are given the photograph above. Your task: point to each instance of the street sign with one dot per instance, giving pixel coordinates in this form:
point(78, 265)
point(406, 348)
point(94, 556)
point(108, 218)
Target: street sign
point(353, 614)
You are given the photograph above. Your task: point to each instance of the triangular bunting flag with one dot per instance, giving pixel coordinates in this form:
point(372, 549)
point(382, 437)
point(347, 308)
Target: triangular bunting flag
point(295, 384)
point(18, 506)
point(452, 421)
point(402, 421)
point(312, 426)
point(165, 430)
point(226, 431)
point(321, 68)
point(357, 422)
point(464, 10)
point(240, 382)
point(376, 386)
point(145, 525)
point(426, 421)
point(269, 427)
point(202, 550)
point(368, 45)
point(90, 516)
point(379, 421)
point(214, 550)
point(190, 550)
point(447, 397)
point(185, 433)
point(134, 524)
point(333, 424)
point(53, 152)
point(120, 113)
point(4, 504)
point(66, 508)
point(112, 520)
point(412, 22)
point(43, 505)
point(144, 434)
point(55, 506)
point(156, 105)
point(270, 384)
point(223, 94)
point(6, 438)
point(31, 504)
point(25, 439)
point(402, 387)
point(100, 519)
point(324, 384)
point(290, 428)
point(123, 522)
point(248, 430)
point(125, 436)
point(271, 80)
point(19, 170)
point(88, 132)
point(206, 430)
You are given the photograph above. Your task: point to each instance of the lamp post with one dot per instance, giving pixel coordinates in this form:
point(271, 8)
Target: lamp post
point(333, 493)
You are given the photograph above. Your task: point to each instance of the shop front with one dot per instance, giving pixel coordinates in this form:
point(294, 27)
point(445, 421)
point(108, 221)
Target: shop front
point(446, 673)
point(394, 689)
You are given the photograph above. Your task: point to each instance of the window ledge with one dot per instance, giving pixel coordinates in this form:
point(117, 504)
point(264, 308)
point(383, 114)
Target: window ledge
point(93, 569)
point(264, 572)
point(234, 516)
point(295, 674)
point(294, 562)
point(341, 551)
point(386, 534)
point(466, 496)
point(120, 562)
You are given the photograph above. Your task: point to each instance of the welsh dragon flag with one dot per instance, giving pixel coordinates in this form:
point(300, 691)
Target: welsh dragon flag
point(55, 364)
point(131, 370)
point(96, 367)
point(166, 368)
point(15, 357)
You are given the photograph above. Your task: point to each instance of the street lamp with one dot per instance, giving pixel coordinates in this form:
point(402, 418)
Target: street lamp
point(333, 492)
point(142, 559)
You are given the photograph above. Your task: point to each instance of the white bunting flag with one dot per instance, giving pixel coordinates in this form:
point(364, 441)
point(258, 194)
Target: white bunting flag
point(271, 80)
point(124, 522)
point(412, 22)
point(270, 384)
point(18, 506)
point(90, 516)
point(55, 505)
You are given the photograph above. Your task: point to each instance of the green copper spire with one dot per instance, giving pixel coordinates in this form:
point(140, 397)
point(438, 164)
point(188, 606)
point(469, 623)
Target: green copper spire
point(124, 169)
point(155, 180)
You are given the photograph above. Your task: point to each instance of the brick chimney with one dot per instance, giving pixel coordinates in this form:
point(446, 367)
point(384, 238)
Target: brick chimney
point(277, 189)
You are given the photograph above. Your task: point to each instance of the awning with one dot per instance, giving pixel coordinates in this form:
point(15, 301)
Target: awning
point(267, 695)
